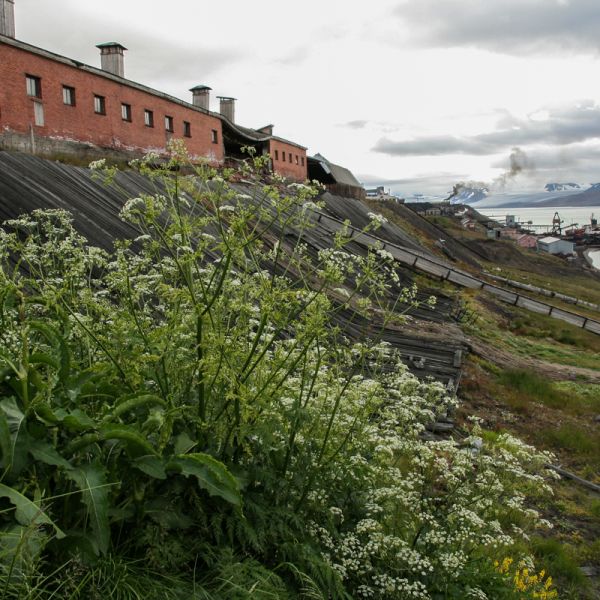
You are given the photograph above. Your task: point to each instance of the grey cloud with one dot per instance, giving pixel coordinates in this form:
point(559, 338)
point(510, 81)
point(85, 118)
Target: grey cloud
point(295, 57)
point(505, 26)
point(438, 184)
point(431, 146)
point(550, 159)
point(150, 59)
point(563, 126)
point(358, 124)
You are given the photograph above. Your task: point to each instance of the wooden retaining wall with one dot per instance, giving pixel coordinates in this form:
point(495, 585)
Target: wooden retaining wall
point(436, 268)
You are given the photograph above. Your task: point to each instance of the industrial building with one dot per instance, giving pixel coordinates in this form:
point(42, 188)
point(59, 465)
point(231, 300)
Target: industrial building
point(554, 245)
point(337, 179)
point(51, 105)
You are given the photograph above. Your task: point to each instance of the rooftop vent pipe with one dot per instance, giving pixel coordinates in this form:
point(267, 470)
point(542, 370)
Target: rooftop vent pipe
point(112, 58)
point(7, 18)
point(201, 96)
point(227, 107)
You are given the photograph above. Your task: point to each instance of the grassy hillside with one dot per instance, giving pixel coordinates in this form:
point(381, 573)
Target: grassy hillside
point(539, 378)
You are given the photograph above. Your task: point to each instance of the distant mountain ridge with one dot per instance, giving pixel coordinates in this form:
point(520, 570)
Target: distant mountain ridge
point(555, 194)
point(561, 187)
point(469, 195)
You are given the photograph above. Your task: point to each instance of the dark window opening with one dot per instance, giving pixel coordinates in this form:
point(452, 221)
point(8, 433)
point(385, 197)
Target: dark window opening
point(34, 86)
point(126, 112)
point(100, 105)
point(187, 129)
point(296, 159)
point(276, 154)
point(214, 136)
point(148, 118)
point(68, 95)
point(290, 155)
point(302, 160)
point(283, 156)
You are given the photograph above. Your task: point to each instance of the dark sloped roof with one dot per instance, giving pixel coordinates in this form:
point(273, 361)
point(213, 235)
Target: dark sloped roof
point(246, 132)
point(254, 134)
point(339, 173)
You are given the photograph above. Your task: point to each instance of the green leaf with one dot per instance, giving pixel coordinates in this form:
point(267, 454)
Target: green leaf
point(22, 546)
point(135, 402)
point(136, 444)
point(91, 480)
point(56, 340)
point(45, 453)
point(151, 465)
point(27, 512)
point(17, 455)
point(183, 443)
point(5, 441)
point(44, 358)
point(212, 475)
point(167, 514)
point(45, 413)
point(77, 420)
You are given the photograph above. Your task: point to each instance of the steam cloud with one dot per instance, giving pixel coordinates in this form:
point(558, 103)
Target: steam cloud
point(519, 162)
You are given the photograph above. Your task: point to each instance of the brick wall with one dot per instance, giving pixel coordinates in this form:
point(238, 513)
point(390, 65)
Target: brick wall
point(288, 160)
point(81, 123)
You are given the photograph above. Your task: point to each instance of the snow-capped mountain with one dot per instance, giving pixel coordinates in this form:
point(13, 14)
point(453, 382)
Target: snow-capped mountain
point(469, 195)
point(554, 194)
point(561, 187)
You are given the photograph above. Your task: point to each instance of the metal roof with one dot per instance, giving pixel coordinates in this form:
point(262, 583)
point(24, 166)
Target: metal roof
point(111, 45)
point(339, 173)
point(256, 135)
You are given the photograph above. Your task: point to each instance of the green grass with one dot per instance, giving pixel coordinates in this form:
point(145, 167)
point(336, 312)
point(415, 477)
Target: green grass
point(541, 327)
point(570, 397)
point(573, 439)
point(533, 386)
point(595, 511)
point(579, 285)
point(581, 399)
point(559, 561)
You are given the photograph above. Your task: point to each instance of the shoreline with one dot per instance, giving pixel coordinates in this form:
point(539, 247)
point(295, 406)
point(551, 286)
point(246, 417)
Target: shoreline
point(595, 264)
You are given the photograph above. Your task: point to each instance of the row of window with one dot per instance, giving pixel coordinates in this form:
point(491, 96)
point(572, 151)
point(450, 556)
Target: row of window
point(299, 160)
point(34, 89)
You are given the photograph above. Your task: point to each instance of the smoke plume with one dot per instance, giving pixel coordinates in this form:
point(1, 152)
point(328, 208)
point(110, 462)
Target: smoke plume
point(519, 162)
point(457, 188)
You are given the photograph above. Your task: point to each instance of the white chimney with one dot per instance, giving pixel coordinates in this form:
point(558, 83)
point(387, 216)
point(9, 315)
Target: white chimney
point(227, 107)
point(201, 96)
point(112, 58)
point(7, 18)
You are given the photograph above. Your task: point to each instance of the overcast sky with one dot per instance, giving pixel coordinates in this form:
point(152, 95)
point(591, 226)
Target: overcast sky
point(412, 94)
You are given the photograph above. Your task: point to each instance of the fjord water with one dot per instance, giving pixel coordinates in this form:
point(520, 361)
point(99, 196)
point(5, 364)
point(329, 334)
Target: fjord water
point(542, 215)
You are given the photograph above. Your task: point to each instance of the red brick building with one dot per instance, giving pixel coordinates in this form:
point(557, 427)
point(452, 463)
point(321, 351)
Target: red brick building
point(49, 96)
point(287, 158)
point(50, 104)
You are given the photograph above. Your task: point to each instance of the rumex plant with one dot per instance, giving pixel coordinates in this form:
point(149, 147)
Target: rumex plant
point(187, 401)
